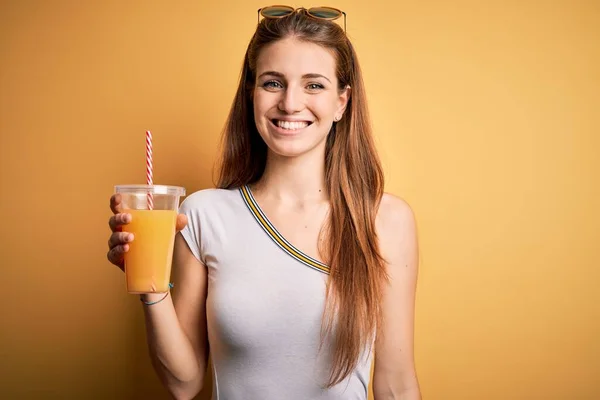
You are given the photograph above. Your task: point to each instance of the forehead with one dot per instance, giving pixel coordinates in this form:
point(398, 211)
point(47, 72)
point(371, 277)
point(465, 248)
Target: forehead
point(293, 57)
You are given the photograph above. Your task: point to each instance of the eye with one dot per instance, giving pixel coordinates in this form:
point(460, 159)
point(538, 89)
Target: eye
point(272, 85)
point(315, 86)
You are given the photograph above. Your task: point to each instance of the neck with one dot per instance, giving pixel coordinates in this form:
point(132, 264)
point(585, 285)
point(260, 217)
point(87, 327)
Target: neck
point(294, 180)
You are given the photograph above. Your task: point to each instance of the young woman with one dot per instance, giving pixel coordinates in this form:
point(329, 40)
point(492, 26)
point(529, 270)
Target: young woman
point(297, 268)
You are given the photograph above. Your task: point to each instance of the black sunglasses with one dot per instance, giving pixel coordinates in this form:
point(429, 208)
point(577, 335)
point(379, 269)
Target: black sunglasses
point(326, 13)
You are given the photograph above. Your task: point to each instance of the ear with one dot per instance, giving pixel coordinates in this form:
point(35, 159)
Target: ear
point(343, 99)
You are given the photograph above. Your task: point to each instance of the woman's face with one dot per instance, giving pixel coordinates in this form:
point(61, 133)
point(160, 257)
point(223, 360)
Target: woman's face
point(296, 96)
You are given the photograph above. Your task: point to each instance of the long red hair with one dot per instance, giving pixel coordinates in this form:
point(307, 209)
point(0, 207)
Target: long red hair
point(354, 180)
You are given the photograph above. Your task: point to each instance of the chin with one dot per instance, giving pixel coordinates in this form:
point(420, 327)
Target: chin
point(289, 149)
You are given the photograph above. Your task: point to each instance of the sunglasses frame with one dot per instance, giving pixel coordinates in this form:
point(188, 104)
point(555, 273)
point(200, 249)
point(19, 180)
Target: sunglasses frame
point(261, 11)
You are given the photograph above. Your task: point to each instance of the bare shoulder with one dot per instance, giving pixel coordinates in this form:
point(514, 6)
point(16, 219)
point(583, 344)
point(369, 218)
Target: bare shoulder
point(395, 217)
point(397, 233)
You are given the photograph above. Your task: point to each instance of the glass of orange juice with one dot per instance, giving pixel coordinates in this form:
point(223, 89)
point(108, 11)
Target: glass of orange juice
point(153, 210)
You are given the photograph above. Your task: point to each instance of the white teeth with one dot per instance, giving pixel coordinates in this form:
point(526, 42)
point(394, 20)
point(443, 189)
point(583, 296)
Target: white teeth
point(292, 126)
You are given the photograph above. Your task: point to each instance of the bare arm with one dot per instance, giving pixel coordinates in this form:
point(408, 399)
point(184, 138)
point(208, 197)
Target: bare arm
point(395, 375)
point(176, 327)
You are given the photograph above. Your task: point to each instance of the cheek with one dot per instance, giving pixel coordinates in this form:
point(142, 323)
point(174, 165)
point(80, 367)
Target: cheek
point(262, 104)
point(323, 107)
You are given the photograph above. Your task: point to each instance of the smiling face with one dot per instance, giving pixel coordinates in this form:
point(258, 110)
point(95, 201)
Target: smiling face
point(296, 96)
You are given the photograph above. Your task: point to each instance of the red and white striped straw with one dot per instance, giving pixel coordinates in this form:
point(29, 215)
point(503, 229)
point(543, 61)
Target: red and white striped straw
point(149, 168)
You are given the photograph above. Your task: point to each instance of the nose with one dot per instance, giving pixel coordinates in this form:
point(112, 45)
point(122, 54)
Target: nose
point(292, 100)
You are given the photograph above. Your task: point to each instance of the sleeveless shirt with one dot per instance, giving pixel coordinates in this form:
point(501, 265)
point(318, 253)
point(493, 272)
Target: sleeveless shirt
point(264, 305)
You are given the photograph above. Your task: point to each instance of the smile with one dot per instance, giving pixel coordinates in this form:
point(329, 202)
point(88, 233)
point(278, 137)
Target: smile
point(290, 125)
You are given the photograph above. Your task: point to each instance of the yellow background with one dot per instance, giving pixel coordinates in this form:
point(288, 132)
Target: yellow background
point(487, 118)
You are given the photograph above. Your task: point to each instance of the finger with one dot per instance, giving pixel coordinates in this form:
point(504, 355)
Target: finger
point(181, 222)
point(119, 238)
point(115, 203)
point(116, 221)
point(116, 255)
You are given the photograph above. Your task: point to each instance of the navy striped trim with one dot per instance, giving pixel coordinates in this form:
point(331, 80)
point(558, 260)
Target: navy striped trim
point(286, 246)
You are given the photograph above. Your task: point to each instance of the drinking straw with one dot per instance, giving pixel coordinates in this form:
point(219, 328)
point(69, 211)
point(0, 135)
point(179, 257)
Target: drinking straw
point(149, 169)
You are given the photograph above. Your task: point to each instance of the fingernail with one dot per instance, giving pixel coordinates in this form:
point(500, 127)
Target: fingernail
point(127, 217)
point(130, 237)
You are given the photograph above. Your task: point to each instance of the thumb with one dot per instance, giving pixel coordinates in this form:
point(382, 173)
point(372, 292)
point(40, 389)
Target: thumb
point(181, 222)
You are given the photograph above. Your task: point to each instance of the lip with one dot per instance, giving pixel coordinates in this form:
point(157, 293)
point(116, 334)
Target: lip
point(286, 132)
point(291, 120)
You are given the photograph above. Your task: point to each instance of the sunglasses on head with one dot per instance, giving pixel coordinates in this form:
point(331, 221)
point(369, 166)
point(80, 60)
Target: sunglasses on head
point(326, 13)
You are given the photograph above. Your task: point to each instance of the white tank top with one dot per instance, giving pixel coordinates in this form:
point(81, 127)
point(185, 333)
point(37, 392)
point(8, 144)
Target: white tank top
point(264, 305)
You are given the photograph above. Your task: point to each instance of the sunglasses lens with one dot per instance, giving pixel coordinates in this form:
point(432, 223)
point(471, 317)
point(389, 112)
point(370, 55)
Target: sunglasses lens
point(325, 12)
point(276, 11)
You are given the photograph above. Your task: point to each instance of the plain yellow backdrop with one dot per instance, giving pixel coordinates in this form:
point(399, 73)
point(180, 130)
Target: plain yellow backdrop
point(486, 114)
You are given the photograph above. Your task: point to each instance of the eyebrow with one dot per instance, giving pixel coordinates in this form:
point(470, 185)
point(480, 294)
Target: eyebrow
point(305, 76)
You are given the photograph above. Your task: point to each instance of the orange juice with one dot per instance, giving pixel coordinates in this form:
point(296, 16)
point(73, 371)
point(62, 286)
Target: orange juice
point(148, 261)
